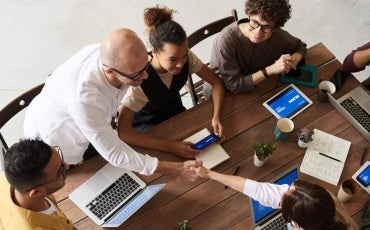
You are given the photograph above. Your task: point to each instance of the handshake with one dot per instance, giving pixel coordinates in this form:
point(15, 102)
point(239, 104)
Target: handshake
point(193, 169)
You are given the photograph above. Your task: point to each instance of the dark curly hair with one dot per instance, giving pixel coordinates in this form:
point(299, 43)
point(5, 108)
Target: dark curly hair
point(277, 11)
point(311, 207)
point(161, 28)
point(24, 163)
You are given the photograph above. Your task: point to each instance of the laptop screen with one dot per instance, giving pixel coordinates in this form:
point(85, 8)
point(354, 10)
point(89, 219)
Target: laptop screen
point(137, 202)
point(261, 211)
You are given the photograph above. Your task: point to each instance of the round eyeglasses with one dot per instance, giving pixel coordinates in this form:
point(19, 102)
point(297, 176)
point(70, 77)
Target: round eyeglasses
point(137, 75)
point(265, 28)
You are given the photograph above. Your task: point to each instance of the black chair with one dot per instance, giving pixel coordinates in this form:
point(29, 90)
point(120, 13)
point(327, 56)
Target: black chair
point(14, 107)
point(196, 88)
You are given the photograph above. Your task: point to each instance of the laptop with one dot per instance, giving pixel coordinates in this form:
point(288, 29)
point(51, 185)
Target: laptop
point(269, 218)
point(355, 107)
point(112, 195)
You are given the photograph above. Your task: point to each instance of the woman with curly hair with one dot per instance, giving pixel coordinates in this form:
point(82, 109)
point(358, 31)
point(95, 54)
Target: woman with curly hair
point(158, 97)
point(251, 50)
point(303, 205)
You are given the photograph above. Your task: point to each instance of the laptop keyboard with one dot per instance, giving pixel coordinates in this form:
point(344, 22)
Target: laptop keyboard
point(277, 224)
point(112, 196)
point(357, 112)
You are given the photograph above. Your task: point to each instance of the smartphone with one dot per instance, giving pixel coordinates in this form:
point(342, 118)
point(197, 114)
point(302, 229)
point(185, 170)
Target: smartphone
point(202, 144)
point(339, 78)
point(364, 177)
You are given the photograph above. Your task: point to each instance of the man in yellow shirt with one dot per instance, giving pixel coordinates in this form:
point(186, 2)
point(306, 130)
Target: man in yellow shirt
point(33, 171)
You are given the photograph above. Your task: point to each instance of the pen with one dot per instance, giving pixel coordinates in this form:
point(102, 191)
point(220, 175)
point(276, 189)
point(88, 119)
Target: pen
point(235, 172)
point(323, 154)
point(363, 155)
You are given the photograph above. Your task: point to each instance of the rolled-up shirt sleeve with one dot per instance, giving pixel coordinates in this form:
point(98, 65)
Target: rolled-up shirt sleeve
point(96, 128)
point(267, 194)
point(348, 64)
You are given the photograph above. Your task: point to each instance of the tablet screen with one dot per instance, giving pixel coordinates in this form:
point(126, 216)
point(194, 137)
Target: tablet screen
point(288, 103)
point(364, 177)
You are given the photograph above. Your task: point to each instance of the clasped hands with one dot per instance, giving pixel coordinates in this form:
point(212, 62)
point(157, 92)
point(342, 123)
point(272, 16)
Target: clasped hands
point(284, 64)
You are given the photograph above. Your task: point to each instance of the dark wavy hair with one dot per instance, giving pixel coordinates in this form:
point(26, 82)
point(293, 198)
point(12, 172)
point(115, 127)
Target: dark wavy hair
point(311, 207)
point(277, 11)
point(162, 29)
point(24, 163)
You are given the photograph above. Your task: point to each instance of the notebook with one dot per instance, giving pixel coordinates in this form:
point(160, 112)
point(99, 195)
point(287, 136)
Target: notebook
point(213, 154)
point(325, 157)
point(266, 217)
point(112, 195)
point(355, 107)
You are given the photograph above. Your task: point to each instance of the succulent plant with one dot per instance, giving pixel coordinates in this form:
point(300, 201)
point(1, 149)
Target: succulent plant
point(263, 150)
point(305, 135)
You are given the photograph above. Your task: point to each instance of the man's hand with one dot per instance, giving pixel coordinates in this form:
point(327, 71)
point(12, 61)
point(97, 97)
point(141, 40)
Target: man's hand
point(183, 149)
point(188, 172)
point(201, 171)
point(284, 64)
point(184, 170)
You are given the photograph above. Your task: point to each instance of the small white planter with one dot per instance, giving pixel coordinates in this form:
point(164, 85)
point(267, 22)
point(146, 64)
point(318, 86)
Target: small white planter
point(303, 144)
point(257, 162)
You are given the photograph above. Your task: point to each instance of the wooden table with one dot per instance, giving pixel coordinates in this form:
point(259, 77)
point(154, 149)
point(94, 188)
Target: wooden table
point(206, 203)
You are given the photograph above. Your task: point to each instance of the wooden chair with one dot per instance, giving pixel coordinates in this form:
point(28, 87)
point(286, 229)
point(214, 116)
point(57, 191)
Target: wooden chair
point(196, 88)
point(15, 106)
point(2, 152)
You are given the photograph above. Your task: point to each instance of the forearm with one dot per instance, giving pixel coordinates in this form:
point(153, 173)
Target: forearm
point(361, 58)
point(169, 168)
point(354, 64)
point(134, 137)
point(234, 182)
point(218, 94)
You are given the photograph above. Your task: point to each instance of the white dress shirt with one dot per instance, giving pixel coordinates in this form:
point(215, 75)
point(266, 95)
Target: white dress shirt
point(75, 108)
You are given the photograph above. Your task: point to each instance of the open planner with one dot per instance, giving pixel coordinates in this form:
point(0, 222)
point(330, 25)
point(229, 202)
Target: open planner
point(325, 157)
point(213, 154)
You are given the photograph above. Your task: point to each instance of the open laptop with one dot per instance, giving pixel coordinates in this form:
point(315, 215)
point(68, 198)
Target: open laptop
point(355, 107)
point(112, 195)
point(266, 217)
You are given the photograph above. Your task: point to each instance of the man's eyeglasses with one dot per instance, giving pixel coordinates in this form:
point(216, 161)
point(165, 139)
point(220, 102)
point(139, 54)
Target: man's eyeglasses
point(61, 172)
point(265, 28)
point(136, 76)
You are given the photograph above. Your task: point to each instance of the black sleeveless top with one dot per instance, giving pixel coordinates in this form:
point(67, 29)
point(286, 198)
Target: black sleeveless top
point(163, 102)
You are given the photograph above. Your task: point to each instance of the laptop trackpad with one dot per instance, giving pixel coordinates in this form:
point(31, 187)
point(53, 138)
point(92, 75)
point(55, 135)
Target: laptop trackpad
point(98, 182)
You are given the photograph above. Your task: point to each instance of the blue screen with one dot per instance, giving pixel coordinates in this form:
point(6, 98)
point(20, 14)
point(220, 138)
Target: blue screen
point(288, 102)
point(364, 176)
point(259, 210)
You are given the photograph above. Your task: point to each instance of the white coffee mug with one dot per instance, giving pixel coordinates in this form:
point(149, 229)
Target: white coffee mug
point(347, 190)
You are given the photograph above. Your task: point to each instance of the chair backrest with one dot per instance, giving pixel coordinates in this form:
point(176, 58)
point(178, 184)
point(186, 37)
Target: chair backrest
point(15, 106)
point(2, 152)
point(197, 37)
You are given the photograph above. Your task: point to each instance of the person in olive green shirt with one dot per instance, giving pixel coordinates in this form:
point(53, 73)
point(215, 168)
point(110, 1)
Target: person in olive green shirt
point(33, 171)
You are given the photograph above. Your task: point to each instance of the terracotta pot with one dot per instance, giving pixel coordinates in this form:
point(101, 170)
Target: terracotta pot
point(302, 144)
point(257, 162)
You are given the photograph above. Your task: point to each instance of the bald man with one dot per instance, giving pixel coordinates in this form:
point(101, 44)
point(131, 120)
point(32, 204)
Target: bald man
point(75, 107)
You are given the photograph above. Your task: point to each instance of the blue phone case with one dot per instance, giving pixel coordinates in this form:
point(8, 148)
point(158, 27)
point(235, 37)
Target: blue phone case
point(202, 144)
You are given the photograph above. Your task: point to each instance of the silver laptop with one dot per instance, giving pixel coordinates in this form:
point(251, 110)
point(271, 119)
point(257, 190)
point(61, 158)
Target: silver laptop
point(266, 217)
point(112, 195)
point(355, 107)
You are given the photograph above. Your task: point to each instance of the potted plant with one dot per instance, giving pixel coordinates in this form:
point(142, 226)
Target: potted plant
point(184, 225)
point(262, 151)
point(304, 137)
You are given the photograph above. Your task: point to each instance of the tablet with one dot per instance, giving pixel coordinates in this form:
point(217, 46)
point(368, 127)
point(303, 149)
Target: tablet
point(289, 102)
point(362, 176)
